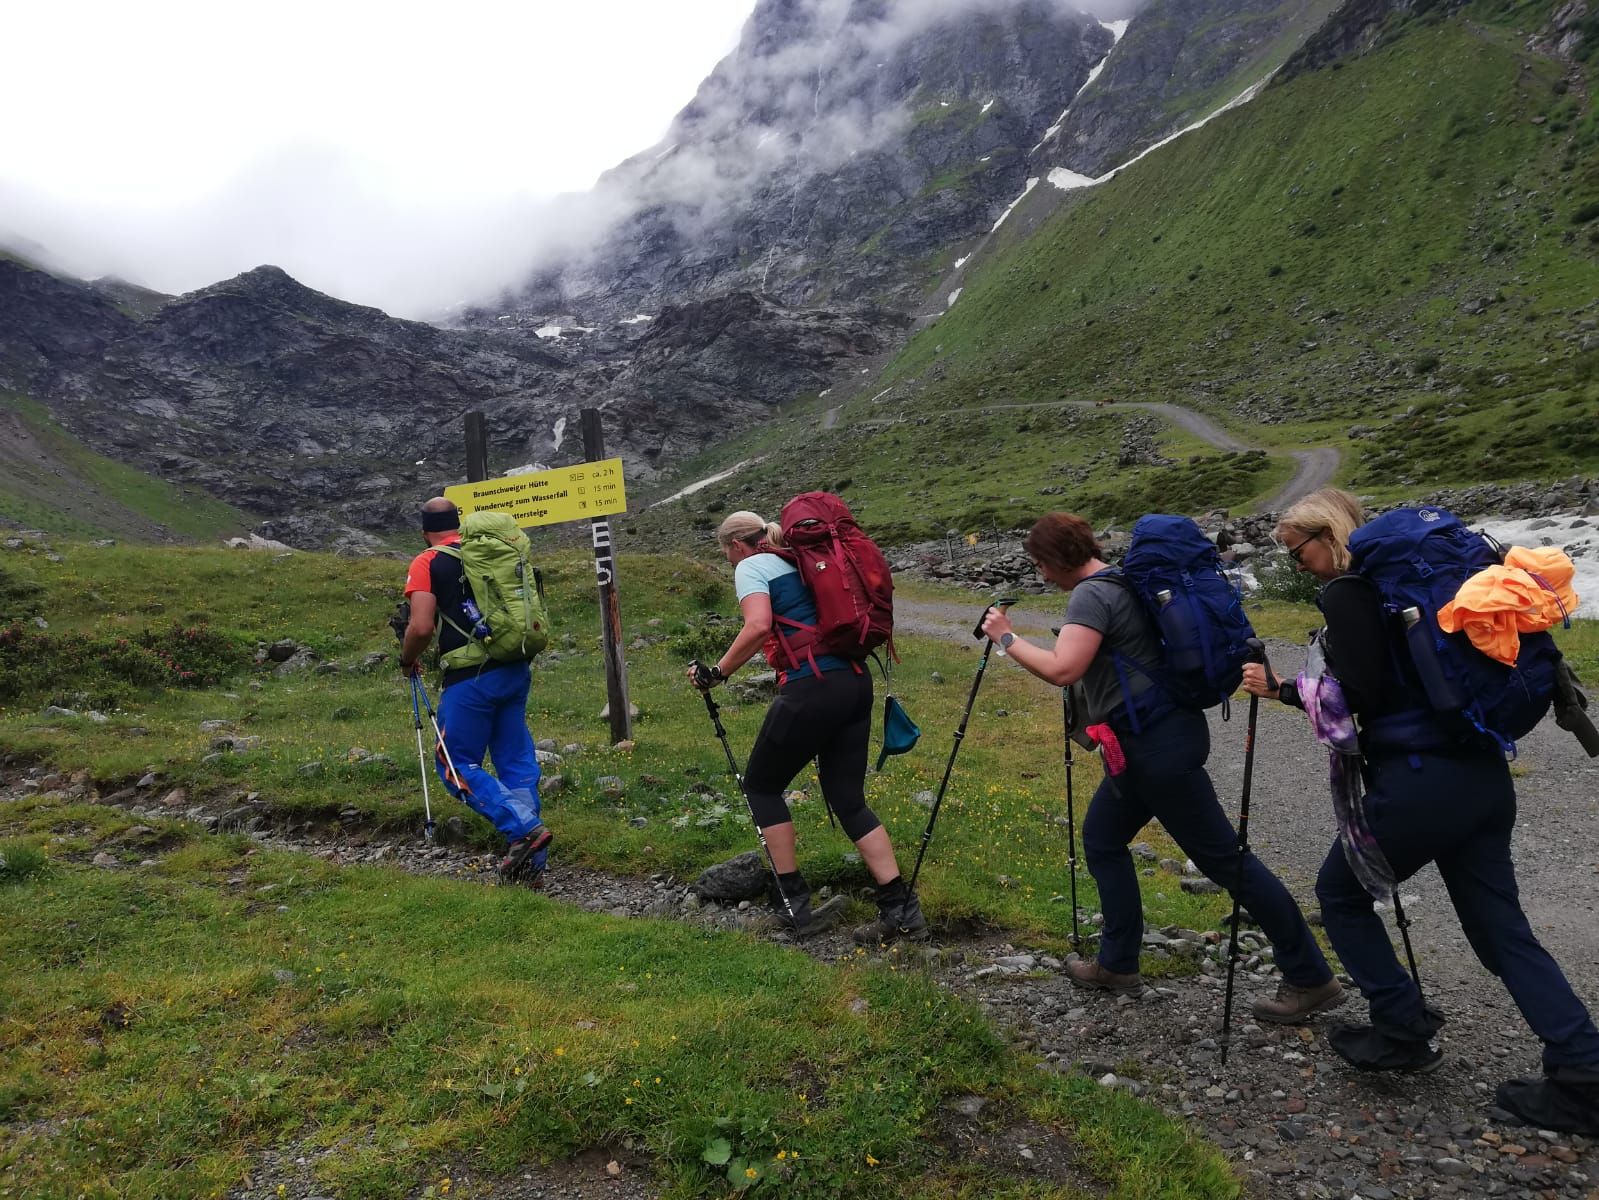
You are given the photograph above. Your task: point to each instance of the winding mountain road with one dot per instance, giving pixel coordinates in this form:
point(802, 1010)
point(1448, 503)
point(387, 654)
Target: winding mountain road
point(1315, 468)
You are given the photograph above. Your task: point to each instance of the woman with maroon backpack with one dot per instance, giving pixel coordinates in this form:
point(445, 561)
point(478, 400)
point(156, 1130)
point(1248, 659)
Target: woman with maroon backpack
point(823, 711)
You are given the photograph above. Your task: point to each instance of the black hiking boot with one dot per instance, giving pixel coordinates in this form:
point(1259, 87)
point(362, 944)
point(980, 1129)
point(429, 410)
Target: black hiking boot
point(520, 852)
point(1389, 1047)
point(1566, 1100)
point(806, 921)
point(899, 915)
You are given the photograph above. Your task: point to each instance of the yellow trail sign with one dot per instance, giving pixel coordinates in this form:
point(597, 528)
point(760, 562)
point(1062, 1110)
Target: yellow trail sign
point(575, 493)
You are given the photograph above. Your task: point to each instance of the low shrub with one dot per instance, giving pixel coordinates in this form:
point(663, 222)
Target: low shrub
point(20, 862)
point(21, 597)
point(104, 670)
point(1279, 579)
point(704, 638)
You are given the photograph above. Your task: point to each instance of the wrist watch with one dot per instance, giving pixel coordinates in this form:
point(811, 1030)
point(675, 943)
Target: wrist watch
point(1005, 639)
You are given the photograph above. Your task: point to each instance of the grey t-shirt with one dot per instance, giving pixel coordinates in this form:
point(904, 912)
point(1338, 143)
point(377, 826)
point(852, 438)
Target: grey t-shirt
point(1109, 607)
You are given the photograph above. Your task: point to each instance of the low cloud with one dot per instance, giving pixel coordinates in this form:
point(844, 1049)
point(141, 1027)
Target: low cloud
point(800, 94)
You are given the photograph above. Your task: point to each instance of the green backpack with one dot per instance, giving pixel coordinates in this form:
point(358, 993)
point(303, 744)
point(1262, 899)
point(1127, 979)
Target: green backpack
point(497, 561)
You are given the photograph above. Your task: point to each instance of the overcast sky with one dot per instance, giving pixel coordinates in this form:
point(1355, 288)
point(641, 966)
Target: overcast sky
point(391, 153)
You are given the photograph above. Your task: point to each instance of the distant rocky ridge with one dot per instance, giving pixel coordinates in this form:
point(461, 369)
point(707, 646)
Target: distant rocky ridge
point(332, 420)
point(791, 225)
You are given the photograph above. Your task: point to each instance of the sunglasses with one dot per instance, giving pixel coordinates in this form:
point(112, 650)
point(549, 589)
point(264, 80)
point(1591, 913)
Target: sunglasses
point(1293, 551)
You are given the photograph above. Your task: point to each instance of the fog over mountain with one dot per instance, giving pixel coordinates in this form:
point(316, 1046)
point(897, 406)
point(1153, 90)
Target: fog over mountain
point(340, 219)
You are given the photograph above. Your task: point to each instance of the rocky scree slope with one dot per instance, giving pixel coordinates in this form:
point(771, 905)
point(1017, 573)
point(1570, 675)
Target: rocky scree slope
point(313, 413)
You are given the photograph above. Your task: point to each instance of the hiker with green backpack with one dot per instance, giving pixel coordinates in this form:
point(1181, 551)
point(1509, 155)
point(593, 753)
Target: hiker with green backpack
point(476, 588)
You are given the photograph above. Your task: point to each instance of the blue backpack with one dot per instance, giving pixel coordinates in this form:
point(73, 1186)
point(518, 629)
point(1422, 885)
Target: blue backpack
point(1418, 558)
point(1174, 570)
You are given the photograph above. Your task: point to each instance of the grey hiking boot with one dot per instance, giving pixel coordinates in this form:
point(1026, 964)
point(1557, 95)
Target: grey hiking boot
point(1087, 973)
point(806, 921)
point(521, 851)
point(1293, 1004)
point(899, 916)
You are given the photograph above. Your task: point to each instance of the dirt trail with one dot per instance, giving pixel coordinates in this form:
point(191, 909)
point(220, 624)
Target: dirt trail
point(1315, 468)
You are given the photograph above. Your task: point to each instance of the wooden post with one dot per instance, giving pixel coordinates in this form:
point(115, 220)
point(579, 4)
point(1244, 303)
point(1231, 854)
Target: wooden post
point(477, 448)
point(610, 604)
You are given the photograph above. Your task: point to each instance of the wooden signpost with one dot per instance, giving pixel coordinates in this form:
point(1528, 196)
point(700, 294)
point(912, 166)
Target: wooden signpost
point(588, 491)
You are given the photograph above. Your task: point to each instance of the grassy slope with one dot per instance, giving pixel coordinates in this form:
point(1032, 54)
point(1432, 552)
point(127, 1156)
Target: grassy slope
point(173, 1022)
point(53, 481)
point(1307, 256)
point(998, 852)
point(1301, 261)
point(269, 1051)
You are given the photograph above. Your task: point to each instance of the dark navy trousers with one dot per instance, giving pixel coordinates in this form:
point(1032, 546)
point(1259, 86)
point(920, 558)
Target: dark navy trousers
point(487, 714)
point(1166, 780)
point(1456, 810)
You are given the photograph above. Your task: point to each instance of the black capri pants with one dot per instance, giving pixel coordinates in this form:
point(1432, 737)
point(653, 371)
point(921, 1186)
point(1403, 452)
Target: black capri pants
point(828, 718)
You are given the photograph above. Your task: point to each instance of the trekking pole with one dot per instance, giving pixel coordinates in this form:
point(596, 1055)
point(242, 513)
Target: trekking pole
point(421, 758)
point(1257, 653)
point(1410, 954)
point(1069, 722)
point(438, 731)
point(960, 736)
point(732, 766)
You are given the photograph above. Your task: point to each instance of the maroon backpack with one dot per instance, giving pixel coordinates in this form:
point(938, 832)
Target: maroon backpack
point(845, 572)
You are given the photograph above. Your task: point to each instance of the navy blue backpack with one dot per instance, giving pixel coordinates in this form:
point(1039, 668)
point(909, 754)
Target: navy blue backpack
point(1174, 570)
point(1418, 558)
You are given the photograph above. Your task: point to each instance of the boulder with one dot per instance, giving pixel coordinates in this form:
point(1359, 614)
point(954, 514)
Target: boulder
point(743, 877)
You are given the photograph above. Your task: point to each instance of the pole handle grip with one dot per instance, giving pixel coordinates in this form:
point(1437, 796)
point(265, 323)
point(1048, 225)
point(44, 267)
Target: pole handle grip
point(1257, 653)
point(1002, 604)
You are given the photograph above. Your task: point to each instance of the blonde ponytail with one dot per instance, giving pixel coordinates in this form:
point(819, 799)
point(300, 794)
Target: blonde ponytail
point(749, 528)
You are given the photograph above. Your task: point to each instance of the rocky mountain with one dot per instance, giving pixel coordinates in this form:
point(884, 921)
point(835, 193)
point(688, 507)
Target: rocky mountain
point(327, 418)
point(831, 156)
point(804, 213)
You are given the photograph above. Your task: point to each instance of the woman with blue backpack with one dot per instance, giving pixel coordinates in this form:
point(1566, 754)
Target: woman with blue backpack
point(1415, 783)
point(1155, 750)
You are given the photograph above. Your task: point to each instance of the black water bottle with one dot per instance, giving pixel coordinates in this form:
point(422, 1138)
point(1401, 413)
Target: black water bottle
point(1441, 693)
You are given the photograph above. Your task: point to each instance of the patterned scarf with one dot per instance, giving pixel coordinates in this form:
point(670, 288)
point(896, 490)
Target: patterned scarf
point(1335, 728)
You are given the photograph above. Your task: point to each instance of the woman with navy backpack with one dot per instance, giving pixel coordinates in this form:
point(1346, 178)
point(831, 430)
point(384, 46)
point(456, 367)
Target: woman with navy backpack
point(823, 711)
point(1155, 751)
point(1414, 786)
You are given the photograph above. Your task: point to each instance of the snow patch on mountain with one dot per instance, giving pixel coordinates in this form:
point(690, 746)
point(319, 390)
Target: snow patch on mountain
point(1031, 184)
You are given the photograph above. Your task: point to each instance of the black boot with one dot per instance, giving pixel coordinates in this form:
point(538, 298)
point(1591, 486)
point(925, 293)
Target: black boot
point(1566, 1099)
point(798, 917)
point(1386, 1046)
point(899, 915)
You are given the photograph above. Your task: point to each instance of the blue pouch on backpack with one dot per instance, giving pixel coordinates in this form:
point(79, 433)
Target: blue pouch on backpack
point(1174, 570)
point(899, 731)
point(1418, 558)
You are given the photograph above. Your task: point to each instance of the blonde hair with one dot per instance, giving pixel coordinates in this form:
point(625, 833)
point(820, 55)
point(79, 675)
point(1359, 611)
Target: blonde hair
point(1330, 512)
point(749, 528)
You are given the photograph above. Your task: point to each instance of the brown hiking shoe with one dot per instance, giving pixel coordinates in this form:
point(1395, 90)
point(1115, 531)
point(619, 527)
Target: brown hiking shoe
point(1089, 974)
point(1292, 1004)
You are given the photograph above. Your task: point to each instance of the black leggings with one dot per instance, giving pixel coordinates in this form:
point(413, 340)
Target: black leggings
point(828, 718)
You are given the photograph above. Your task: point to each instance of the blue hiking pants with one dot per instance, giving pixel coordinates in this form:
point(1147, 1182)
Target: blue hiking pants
point(1456, 810)
point(1166, 780)
point(487, 714)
